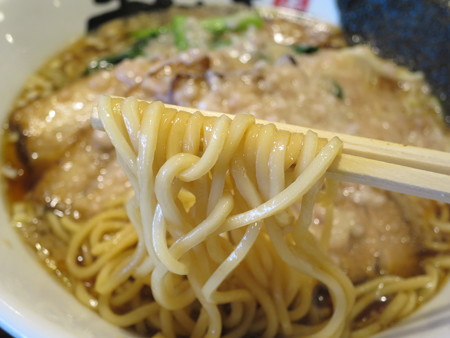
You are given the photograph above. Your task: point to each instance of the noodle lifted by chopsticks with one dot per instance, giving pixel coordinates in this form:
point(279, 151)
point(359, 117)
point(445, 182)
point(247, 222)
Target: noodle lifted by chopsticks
point(221, 211)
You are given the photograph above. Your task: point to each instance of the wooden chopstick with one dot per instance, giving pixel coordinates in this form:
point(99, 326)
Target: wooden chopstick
point(392, 177)
point(389, 166)
point(385, 165)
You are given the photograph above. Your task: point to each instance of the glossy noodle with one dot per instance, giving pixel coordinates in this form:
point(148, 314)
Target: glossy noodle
point(205, 207)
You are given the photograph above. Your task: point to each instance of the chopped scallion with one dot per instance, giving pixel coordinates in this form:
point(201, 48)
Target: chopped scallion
point(305, 49)
point(337, 90)
point(179, 30)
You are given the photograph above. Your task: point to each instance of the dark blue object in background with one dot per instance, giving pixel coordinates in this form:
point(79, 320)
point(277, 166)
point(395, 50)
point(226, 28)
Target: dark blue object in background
point(3, 334)
point(414, 33)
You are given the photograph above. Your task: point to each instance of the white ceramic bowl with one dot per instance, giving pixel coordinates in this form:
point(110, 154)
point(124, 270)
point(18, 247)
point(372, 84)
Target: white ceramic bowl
point(33, 303)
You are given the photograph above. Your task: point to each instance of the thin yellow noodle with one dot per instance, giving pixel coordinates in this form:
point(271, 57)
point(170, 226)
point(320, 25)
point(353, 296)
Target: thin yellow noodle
point(167, 326)
point(300, 330)
point(191, 141)
point(374, 284)
point(159, 241)
point(201, 325)
point(389, 313)
point(92, 269)
point(114, 273)
point(131, 120)
point(175, 142)
point(235, 316)
point(196, 280)
point(211, 154)
point(132, 290)
point(385, 289)
point(436, 246)
point(246, 320)
point(57, 228)
point(443, 226)
point(84, 296)
point(276, 176)
point(410, 304)
point(266, 143)
point(127, 319)
point(291, 282)
point(329, 197)
point(165, 296)
point(432, 286)
point(442, 261)
point(100, 241)
point(290, 194)
point(270, 322)
point(184, 320)
point(158, 335)
point(237, 129)
point(149, 128)
point(265, 253)
point(209, 290)
point(280, 305)
point(167, 201)
point(337, 322)
point(305, 299)
point(153, 322)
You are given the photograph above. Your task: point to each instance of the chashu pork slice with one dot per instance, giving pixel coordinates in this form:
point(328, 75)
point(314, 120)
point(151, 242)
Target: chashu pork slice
point(85, 179)
point(374, 232)
point(49, 126)
point(74, 166)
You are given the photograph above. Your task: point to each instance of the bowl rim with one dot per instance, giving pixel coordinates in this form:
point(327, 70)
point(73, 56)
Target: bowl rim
point(20, 320)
